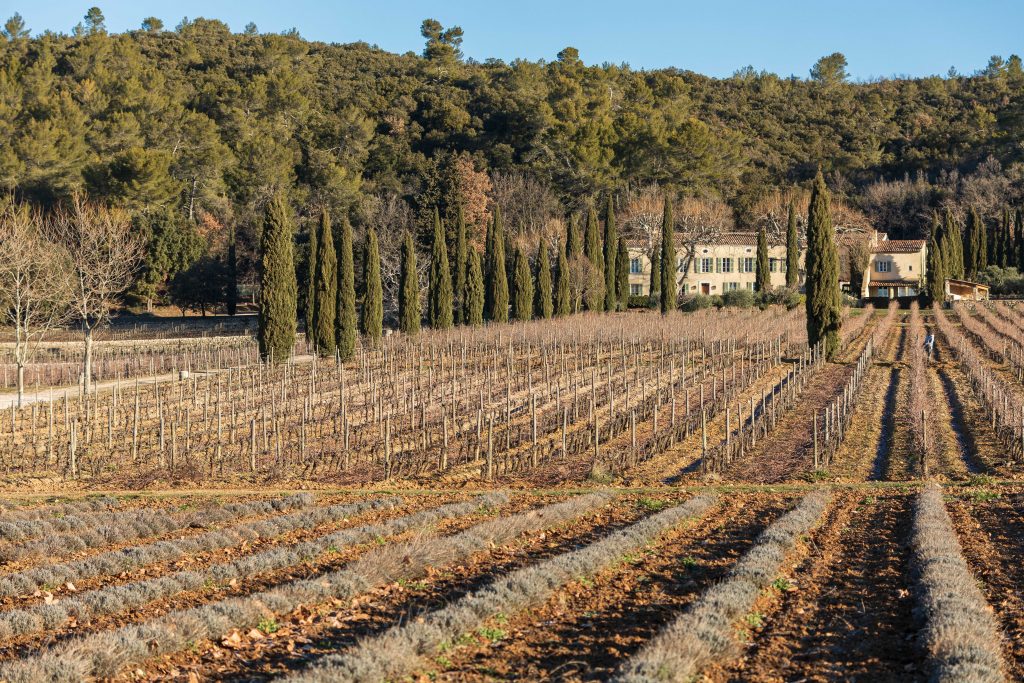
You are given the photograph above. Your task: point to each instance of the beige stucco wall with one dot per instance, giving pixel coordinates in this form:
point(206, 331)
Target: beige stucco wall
point(717, 280)
point(900, 267)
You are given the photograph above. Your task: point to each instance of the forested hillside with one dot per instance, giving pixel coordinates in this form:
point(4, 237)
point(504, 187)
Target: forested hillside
point(193, 129)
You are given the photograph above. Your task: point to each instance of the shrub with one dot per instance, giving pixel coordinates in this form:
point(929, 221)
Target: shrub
point(739, 298)
point(697, 302)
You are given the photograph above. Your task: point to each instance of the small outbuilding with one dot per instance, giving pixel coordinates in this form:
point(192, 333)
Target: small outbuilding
point(965, 290)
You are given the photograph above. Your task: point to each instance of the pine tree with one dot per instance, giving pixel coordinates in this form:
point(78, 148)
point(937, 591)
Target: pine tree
point(461, 263)
point(792, 249)
point(655, 286)
point(522, 287)
point(574, 243)
point(668, 261)
point(936, 284)
point(498, 279)
point(473, 296)
point(278, 287)
point(622, 276)
point(762, 275)
point(345, 323)
point(440, 295)
point(543, 306)
point(325, 289)
point(563, 306)
point(824, 300)
point(611, 243)
point(231, 293)
point(409, 311)
point(310, 283)
point(371, 321)
point(592, 250)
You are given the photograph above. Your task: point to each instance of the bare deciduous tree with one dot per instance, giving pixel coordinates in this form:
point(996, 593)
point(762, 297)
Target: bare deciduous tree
point(103, 256)
point(699, 222)
point(527, 205)
point(641, 217)
point(34, 282)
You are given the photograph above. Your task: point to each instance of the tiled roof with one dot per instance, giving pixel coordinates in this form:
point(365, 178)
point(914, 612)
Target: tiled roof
point(898, 247)
point(895, 282)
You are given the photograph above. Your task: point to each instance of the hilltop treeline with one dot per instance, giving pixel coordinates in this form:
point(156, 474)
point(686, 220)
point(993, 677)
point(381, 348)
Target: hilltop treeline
point(193, 129)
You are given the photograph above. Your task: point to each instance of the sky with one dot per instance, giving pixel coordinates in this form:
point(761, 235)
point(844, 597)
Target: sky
point(880, 38)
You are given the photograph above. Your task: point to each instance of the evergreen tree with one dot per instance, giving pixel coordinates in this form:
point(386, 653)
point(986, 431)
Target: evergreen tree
point(984, 249)
point(592, 250)
point(970, 243)
point(278, 287)
point(824, 300)
point(488, 264)
point(310, 282)
point(345, 323)
point(1019, 233)
point(668, 260)
point(762, 275)
point(231, 289)
point(522, 287)
point(1002, 247)
point(371, 320)
point(792, 249)
point(622, 276)
point(936, 283)
point(611, 243)
point(473, 297)
point(574, 243)
point(461, 263)
point(952, 247)
point(655, 286)
point(325, 290)
point(543, 305)
point(497, 283)
point(563, 306)
point(440, 295)
point(409, 312)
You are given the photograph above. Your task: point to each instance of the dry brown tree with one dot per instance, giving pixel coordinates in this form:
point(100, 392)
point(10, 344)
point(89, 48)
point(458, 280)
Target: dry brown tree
point(103, 255)
point(641, 215)
point(34, 282)
point(699, 222)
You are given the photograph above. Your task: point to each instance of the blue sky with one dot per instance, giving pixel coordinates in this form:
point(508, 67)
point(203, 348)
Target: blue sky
point(879, 38)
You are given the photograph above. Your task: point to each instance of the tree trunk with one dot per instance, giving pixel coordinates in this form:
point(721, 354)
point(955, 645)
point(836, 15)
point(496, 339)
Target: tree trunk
point(21, 382)
point(87, 365)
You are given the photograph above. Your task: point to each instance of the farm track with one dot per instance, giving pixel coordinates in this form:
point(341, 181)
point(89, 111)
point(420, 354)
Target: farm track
point(865, 451)
point(312, 632)
point(990, 527)
point(587, 629)
point(850, 614)
point(782, 455)
point(216, 592)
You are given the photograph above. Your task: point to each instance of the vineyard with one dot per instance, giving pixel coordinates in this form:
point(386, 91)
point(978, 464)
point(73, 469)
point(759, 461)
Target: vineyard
point(606, 497)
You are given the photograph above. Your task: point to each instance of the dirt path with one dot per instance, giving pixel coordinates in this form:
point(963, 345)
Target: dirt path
point(850, 615)
point(990, 531)
point(586, 630)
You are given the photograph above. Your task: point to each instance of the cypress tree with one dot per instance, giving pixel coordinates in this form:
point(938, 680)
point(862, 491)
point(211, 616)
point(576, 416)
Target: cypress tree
point(1019, 232)
point(461, 263)
point(668, 261)
point(371, 321)
point(970, 244)
point(592, 250)
point(278, 287)
point(562, 304)
point(311, 283)
point(543, 305)
point(984, 248)
point(1003, 250)
point(440, 295)
point(345, 325)
point(952, 254)
point(231, 295)
point(409, 312)
point(997, 243)
point(574, 243)
point(522, 287)
point(792, 249)
point(473, 296)
point(824, 300)
point(936, 283)
point(762, 275)
point(611, 243)
point(325, 289)
point(655, 289)
point(498, 280)
point(622, 276)
point(488, 264)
